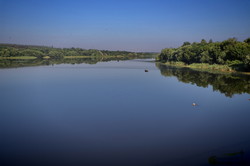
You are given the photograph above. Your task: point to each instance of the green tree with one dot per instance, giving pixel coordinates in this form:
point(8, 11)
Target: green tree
point(186, 43)
point(70, 53)
point(247, 62)
point(30, 52)
point(56, 54)
point(205, 58)
point(166, 54)
point(230, 52)
point(4, 52)
point(247, 40)
point(203, 41)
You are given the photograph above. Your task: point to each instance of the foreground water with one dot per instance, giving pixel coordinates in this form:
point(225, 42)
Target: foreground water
point(114, 113)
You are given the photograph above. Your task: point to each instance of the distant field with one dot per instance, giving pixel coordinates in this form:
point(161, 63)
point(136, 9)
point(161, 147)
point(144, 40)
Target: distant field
point(19, 57)
point(106, 56)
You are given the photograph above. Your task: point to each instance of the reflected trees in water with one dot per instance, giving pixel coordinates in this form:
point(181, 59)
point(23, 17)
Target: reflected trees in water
point(227, 84)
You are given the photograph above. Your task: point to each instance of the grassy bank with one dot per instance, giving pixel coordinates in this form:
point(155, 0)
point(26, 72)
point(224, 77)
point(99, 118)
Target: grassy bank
point(106, 56)
point(19, 57)
point(66, 57)
point(215, 68)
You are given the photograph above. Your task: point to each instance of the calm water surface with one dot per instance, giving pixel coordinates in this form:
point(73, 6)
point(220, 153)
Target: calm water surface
point(114, 113)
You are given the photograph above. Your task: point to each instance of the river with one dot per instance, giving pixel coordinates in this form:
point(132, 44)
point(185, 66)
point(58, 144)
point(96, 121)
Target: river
point(115, 113)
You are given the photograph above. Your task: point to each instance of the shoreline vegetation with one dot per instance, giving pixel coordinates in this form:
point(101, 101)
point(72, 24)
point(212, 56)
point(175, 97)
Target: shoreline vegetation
point(13, 55)
point(19, 57)
point(15, 51)
point(64, 57)
point(226, 56)
point(211, 68)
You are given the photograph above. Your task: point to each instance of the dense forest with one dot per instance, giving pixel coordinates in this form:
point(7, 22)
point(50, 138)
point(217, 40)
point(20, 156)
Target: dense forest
point(227, 84)
point(11, 50)
point(230, 52)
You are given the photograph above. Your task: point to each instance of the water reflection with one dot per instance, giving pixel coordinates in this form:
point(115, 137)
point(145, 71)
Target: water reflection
point(227, 84)
point(82, 115)
point(12, 63)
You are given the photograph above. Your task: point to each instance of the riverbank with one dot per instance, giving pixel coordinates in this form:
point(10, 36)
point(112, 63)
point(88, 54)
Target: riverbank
point(19, 57)
point(24, 61)
point(215, 68)
point(65, 57)
point(226, 56)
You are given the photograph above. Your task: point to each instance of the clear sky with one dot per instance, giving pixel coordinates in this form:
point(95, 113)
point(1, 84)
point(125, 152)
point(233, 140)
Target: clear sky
point(133, 25)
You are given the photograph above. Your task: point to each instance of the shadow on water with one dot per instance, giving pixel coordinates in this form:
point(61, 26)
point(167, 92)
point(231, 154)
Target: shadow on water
point(228, 84)
point(14, 63)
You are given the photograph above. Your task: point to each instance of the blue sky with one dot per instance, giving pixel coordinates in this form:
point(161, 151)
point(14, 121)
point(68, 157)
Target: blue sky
point(133, 25)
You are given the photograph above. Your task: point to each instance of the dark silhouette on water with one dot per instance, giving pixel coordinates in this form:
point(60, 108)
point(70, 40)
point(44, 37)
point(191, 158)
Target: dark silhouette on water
point(227, 84)
point(236, 158)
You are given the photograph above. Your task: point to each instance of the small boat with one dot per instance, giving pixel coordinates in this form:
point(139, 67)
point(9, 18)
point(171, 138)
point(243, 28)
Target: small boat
point(146, 70)
point(194, 104)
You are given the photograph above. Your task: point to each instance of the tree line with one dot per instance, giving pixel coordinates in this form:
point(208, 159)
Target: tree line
point(229, 52)
point(12, 50)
